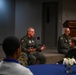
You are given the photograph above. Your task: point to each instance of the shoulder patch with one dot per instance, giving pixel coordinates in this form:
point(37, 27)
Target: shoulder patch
point(22, 40)
point(61, 38)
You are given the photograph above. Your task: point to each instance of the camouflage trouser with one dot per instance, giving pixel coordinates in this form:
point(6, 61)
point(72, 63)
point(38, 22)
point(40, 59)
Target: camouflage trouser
point(23, 59)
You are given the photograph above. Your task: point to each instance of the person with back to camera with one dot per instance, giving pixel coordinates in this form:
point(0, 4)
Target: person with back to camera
point(64, 42)
point(30, 46)
point(10, 66)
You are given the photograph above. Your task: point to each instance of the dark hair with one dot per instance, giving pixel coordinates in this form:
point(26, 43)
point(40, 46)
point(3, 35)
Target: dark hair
point(10, 45)
point(74, 40)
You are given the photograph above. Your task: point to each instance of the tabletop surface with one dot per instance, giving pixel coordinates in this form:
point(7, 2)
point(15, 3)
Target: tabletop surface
point(51, 69)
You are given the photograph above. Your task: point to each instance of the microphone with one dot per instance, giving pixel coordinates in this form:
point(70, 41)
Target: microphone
point(68, 17)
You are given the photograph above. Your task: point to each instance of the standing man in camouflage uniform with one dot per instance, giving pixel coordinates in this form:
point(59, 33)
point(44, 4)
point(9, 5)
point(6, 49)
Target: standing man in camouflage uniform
point(64, 42)
point(32, 49)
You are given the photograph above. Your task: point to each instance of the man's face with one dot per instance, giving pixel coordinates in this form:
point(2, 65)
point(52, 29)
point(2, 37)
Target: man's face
point(71, 43)
point(31, 32)
point(67, 31)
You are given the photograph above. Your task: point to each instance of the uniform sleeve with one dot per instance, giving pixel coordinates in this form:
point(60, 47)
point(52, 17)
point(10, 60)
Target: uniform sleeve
point(62, 44)
point(37, 46)
point(23, 45)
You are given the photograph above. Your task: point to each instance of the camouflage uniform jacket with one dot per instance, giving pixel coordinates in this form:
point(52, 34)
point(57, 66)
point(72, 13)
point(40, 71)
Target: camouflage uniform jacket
point(63, 42)
point(28, 43)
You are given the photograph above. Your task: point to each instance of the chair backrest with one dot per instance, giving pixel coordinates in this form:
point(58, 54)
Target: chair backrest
point(23, 59)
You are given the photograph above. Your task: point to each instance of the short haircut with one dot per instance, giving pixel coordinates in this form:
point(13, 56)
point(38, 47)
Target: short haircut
point(74, 40)
point(10, 45)
point(29, 29)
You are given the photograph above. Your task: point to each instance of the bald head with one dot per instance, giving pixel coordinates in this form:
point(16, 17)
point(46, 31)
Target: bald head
point(67, 31)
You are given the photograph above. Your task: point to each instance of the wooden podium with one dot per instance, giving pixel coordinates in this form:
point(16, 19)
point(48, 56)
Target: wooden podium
point(72, 25)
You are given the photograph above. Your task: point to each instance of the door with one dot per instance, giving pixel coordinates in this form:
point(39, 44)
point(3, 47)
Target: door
point(49, 27)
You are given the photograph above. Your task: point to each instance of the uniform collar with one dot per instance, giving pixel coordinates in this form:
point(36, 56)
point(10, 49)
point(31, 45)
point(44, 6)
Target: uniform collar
point(10, 60)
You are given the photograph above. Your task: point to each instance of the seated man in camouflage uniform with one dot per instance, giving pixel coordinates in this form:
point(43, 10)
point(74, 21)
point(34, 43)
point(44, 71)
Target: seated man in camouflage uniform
point(64, 42)
point(32, 49)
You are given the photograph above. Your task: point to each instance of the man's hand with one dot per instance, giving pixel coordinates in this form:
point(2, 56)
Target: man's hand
point(31, 50)
point(43, 47)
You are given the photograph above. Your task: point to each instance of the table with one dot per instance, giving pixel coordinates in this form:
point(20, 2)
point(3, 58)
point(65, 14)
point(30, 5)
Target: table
point(50, 69)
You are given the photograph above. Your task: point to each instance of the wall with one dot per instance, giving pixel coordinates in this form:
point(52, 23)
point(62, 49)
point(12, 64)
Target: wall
point(69, 11)
point(16, 18)
point(7, 18)
point(29, 13)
